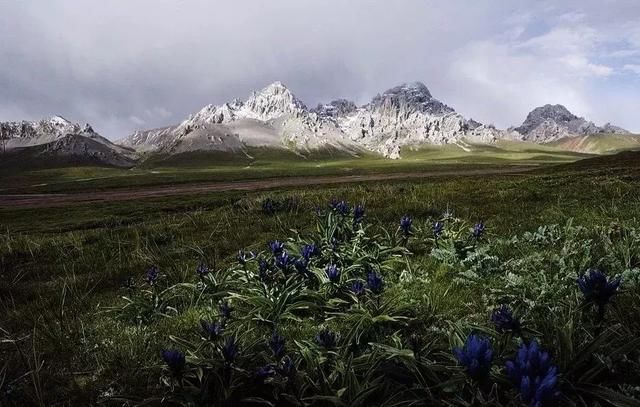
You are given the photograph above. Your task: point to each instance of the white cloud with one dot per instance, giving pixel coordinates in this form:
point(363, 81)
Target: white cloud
point(635, 68)
point(137, 120)
point(121, 64)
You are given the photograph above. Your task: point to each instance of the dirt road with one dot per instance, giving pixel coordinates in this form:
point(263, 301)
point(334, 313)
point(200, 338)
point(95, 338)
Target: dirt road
point(47, 200)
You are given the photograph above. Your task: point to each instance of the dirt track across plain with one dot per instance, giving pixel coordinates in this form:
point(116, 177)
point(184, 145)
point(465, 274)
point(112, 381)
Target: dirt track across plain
point(127, 194)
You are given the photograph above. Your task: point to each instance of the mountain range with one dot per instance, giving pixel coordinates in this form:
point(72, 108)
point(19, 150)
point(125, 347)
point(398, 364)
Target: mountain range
point(405, 116)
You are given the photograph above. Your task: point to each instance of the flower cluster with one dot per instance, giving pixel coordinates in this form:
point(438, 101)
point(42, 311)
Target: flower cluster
point(326, 338)
point(375, 282)
point(333, 273)
point(504, 320)
point(597, 288)
point(405, 225)
point(243, 257)
point(276, 246)
point(309, 250)
point(175, 360)
point(268, 206)
point(341, 207)
point(202, 270)
point(478, 230)
point(152, 275)
point(475, 356)
point(283, 260)
point(533, 375)
point(357, 288)
point(437, 228)
point(230, 349)
point(212, 330)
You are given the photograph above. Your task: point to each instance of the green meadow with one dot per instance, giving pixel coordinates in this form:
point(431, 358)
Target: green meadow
point(114, 303)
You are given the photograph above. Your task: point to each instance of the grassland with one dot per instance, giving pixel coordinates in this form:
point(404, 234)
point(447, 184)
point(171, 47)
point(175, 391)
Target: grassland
point(266, 163)
point(68, 337)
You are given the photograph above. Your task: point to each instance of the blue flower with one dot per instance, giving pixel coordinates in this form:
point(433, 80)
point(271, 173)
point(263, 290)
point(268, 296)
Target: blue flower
point(302, 266)
point(333, 273)
point(265, 372)
point(243, 257)
point(476, 356)
point(276, 246)
point(283, 260)
point(276, 344)
point(152, 275)
point(268, 206)
point(533, 375)
point(597, 288)
point(357, 288)
point(225, 309)
point(202, 270)
point(326, 338)
point(287, 366)
point(308, 251)
point(212, 330)
point(263, 269)
point(230, 349)
point(504, 320)
point(478, 230)
point(358, 214)
point(342, 207)
point(174, 359)
point(405, 225)
point(437, 228)
point(375, 282)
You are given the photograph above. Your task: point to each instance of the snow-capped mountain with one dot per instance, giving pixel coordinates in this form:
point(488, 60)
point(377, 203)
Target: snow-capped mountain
point(406, 115)
point(553, 122)
point(272, 117)
point(58, 137)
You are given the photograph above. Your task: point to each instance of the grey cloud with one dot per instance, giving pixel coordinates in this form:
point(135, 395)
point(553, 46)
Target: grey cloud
point(122, 65)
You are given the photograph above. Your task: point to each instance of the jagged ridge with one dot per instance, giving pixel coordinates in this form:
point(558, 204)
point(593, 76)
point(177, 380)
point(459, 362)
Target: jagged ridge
point(402, 116)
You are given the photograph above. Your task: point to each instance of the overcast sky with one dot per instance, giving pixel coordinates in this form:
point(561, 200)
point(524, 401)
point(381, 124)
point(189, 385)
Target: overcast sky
point(123, 65)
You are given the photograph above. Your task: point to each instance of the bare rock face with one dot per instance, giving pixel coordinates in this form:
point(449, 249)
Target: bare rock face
point(408, 115)
point(552, 122)
point(405, 115)
point(336, 108)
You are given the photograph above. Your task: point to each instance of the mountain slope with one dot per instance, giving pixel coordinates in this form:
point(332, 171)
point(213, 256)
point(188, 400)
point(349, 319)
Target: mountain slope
point(273, 117)
point(599, 143)
point(56, 140)
point(553, 122)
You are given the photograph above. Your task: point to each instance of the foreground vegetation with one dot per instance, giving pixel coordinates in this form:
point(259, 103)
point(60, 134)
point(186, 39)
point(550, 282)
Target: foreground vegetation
point(100, 303)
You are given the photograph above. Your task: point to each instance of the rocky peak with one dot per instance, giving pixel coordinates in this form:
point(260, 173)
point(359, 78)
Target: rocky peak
point(407, 98)
point(556, 113)
point(552, 122)
point(273, 101)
